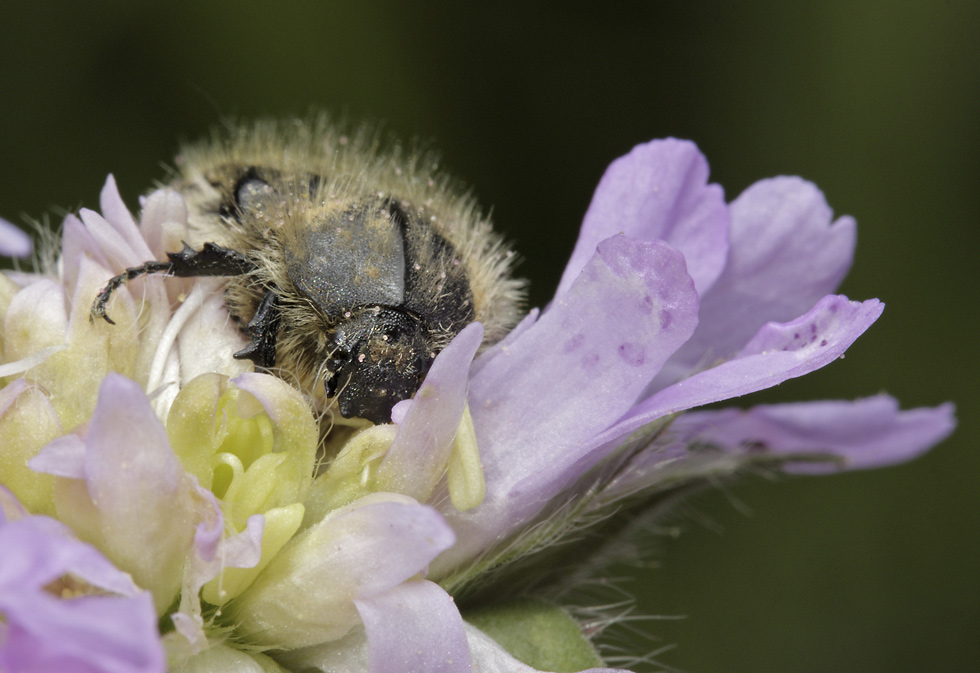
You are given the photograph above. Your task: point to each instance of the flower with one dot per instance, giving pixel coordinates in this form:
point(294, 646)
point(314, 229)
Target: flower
point(265, 546)
point(65, 606)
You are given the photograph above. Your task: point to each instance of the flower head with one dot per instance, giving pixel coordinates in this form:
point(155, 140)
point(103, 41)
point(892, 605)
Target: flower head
point(265, 546)
point(65, 606)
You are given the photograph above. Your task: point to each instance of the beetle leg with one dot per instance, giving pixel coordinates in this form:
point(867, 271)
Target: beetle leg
point(211, 260)
point(264, 330)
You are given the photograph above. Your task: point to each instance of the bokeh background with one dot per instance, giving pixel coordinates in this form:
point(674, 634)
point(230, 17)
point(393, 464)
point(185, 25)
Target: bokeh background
point(876, 101)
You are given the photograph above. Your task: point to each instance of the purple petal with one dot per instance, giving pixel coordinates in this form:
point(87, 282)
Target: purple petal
point(241, 550)
point(61, 457)
point(501, 346)
point(46, 550)
point(163, 222)
point(399, 538)
point(659, 191)
point(208, 534)
point(78, 244)
point(305, 595)
point(136, 500)
point(866, 433)
point(112, 244)
point(118, 216)
point(13, 241)
point(581, 366)
point(777, 353)
point(786, 253)
point(417, 458)
point(97, 633)
point(414, 628)
point(129, 458)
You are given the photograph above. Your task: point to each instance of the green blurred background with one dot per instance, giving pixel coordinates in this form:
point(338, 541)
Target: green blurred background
point(877, 102)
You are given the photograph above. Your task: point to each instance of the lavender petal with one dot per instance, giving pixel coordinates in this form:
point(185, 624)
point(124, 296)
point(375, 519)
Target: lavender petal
point(414, 628)
point(135, 500)
point(866, 433)
point(14, 242)
point(786, 253)
point(659, 191)
point(538, 403)
point(305, 595)
point(96, 632)
point(776, 353)
point(118, 216)
point(78, 244)
point(418, 456)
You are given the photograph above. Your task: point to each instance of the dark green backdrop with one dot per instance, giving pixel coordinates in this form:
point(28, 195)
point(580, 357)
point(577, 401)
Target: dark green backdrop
point(875, 101)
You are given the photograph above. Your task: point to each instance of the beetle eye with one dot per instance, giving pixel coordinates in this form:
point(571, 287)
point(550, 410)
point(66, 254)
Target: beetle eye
point(251, 191)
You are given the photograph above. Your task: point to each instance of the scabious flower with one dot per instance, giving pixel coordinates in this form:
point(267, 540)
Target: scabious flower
point(161, 478)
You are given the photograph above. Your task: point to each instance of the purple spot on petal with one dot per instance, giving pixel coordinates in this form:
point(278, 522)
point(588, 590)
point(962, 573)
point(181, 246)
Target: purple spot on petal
point(646, 306)
point(590, 361)
point(665, 319)
point(632, 353)
point(823, 342)
point(796, 336)
point(574, 343)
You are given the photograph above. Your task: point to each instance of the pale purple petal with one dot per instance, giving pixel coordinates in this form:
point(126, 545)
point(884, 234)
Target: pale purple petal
point(130, 460)
point(786, 253)
point(393, 542)
point(866, 433)
point(777, 353)
point(305, 595)
point(501, 346)
point(47, 550)
point(659, 191)
point(208, 340)
point(489, 657)
point(537, 405)
point(414, 628)
point(417, 458)
point(91, 633)
point(208, 534)
point(163, 222)
point(136, 500)
point(13, 241)
point(241, 550)
point(78, 244)
point(115, 248)
point(118, 216)
point(96, 634)
point(61, 457)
